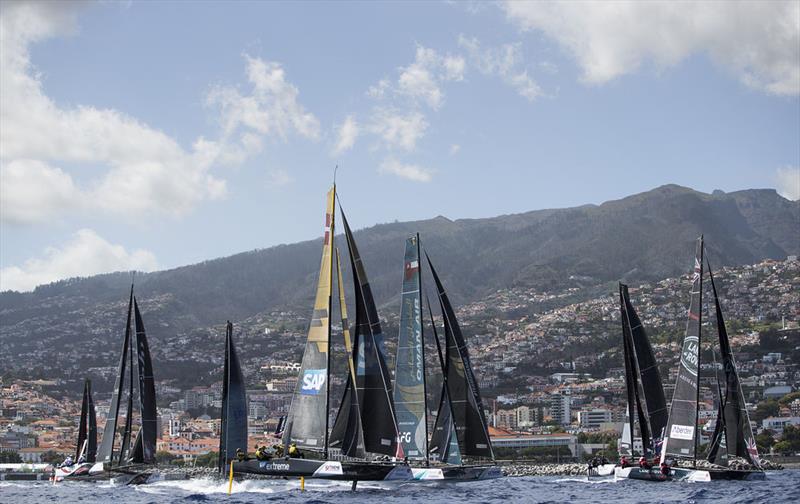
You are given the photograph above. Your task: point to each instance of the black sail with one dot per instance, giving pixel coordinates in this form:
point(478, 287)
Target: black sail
point(443, 445)
point(681, 435)
point(739, 439)
point(233, 427)
point(91, 431)
point(465, 398)
point(652, 400)
point(147, 392)
point(373, 383)
point(124, 451)
point(631, 375)
point(82, 427)
point(105, 453)
point(347, 434)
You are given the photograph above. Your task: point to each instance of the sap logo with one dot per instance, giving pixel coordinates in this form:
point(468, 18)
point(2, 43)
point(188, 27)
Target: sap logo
point(313, 380)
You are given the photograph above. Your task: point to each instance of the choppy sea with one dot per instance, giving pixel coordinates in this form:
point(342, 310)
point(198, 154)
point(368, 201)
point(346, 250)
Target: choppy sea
point(780, 487)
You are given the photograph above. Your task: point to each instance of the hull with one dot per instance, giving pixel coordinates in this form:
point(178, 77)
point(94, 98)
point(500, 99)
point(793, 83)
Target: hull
point(456, 474)
point(601, 470)
point(73, 471)
point(325, 469)
point(686, 474)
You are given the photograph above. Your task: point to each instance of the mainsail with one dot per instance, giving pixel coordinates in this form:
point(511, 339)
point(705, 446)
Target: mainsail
point(87, 430)
point(465, 398)
point(409, 391)
point(681, 436)
point(444, 441)
point(233, 427)
point(651, 403)
point(307, 423)
point(373, 384)
point(739, 440)
point(105, 453)
point(147, 394)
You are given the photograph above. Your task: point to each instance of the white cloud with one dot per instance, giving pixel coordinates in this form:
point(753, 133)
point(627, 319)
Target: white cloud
point(422, 80)
point(278, 178)
point(346, 133)
point(271, 108)
point(788, 182)
point(85, 254)
point(142, 169)
point(758, 41)
point(505, 62)
point(32, 191)
point(397, 129)
point(407, 171)
point(454, 149)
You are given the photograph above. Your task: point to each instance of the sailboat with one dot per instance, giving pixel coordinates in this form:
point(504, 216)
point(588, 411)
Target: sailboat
point(679, 448)
point(233, 427)
point(365, 428)
point(132, 463)
point(460, 432)
point(647, 405)
point(86, 449)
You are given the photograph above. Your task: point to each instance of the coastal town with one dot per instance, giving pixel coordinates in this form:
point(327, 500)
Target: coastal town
point(548, 365)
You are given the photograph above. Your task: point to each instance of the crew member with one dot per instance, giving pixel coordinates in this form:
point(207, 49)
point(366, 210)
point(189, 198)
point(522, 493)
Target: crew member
point(624, 462)
point(294, 452)
point(278, 448)
point(67, 461)
point(242, 456)
point(665, 468)
point(643, 463)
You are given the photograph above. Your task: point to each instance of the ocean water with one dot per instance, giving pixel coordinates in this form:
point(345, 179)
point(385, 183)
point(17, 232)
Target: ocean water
point(780, 487)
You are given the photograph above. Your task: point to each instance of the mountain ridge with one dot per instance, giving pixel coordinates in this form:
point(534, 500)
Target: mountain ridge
point(642, 236)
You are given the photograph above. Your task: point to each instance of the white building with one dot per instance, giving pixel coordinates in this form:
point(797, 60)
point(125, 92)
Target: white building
point(593, 419)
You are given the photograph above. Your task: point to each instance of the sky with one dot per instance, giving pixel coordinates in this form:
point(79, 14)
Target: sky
point(150, 135)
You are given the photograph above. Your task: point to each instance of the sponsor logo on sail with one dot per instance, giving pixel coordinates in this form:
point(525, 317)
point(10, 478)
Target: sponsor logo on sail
point(313, 380)
point(689, 354)
point(685, 432)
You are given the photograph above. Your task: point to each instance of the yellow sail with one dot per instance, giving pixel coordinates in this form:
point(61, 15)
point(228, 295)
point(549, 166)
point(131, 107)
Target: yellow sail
point(307, 422)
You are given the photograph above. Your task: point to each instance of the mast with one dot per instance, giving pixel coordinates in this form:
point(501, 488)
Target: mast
point(328, 363)
point(126, 433)
point(422, 351)
point(91, 434)
point(105, 453)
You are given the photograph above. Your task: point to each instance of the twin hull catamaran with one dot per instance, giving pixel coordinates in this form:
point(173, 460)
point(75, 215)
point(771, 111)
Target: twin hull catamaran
point(365, 428)
point(132, 463)
point(460, 429)
point(86, 449)
point(733, 435)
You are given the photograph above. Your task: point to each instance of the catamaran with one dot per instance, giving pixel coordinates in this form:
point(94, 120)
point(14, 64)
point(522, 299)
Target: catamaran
point(86, 450)
point(131, 464)
point(679, 448)
point(364, 434)
point(460, 430)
